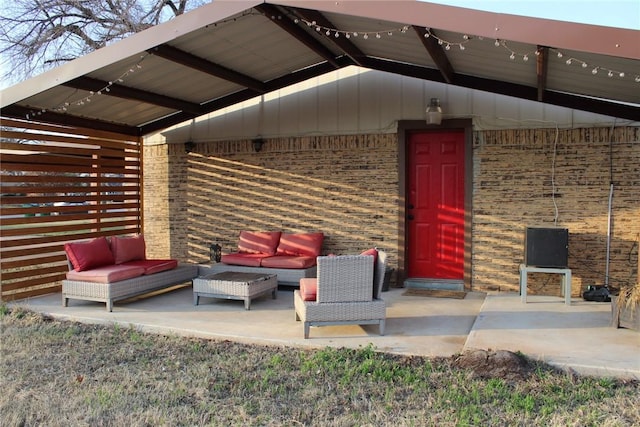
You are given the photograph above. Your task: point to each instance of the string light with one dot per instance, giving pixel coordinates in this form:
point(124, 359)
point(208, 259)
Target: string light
point(64, 107)
point(512, 53)
point(448, 44)
point(595, 69)
point(348, 34)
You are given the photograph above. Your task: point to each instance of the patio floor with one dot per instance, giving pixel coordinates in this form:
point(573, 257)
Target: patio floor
point(574, 337)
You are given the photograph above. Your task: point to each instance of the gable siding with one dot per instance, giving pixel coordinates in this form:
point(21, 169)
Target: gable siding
point(358, 101)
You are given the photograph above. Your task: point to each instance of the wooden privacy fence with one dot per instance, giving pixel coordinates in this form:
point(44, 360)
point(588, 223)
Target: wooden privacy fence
point(61, 184)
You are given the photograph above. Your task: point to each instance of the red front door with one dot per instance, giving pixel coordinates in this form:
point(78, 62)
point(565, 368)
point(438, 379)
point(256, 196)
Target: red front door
point(435, 205)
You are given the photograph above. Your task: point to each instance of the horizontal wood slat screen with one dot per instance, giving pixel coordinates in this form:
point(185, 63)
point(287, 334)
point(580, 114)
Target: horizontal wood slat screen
point(61, 184)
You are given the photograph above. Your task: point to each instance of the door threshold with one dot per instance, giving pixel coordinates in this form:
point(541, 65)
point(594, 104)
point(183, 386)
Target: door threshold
point(426, 283)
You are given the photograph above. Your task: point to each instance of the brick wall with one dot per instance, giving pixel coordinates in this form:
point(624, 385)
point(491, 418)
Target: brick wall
point(514, 170)
point(347, 187)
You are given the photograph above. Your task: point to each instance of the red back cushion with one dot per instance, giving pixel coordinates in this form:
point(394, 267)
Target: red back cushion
point(128, 248)
point(88, 255)
point(259, 242)
point(374, 253)
point(305, 244)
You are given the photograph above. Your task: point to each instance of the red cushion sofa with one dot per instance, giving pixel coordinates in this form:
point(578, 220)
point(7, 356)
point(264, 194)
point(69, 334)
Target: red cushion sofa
point(108, 270)
point(292, 256)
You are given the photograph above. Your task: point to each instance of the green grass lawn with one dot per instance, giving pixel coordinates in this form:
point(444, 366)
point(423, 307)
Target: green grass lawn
point(60, 373)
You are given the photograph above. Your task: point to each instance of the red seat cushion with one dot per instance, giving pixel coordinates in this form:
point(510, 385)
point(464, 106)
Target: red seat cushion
point(87, 255)
point(152, 266)
point(309, 288)
point(106, 274)
point(248, 260)
point(288, 261)
point(259, 242)
point(305, 244)
point(128, 248)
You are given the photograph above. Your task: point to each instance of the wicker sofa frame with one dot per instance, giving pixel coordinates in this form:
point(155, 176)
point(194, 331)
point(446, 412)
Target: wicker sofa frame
point(348, 292)
point(109, 293)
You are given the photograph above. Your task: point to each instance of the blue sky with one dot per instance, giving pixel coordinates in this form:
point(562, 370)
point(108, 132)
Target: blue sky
point(610, 13)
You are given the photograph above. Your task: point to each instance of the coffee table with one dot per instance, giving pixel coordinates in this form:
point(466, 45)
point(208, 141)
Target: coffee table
point(235, 285)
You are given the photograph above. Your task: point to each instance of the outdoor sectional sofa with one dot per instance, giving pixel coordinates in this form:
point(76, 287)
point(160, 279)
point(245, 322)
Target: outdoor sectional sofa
point(292, 256)
point(116, 269)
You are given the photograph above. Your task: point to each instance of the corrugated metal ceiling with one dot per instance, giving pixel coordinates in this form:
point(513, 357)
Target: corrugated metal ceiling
point(227, 52)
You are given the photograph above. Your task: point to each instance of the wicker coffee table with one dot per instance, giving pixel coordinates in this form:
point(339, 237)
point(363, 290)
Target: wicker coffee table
point(235, 285)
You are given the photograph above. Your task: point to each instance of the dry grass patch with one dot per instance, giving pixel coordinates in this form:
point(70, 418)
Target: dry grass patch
point(60, 373)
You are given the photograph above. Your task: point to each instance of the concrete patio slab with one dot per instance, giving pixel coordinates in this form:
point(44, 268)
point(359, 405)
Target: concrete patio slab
point(577, 336)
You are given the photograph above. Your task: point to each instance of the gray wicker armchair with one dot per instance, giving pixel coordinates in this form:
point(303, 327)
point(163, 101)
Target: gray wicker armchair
point(348, 292)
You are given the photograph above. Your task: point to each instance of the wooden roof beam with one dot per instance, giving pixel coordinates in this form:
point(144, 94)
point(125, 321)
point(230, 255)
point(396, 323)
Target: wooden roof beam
point(542, 66)
point(195, 62)
point(437, 53)
point(301, 35)
point(343, 43)
point(47, 116)
point(95, 85)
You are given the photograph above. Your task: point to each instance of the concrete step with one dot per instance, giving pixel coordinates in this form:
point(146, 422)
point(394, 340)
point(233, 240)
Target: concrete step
point(442, 284)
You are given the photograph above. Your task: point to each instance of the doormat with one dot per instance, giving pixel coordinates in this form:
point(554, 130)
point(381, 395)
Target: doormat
point(434, 293)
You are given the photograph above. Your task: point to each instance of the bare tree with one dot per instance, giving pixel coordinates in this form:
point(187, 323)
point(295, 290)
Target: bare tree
point(36, 35)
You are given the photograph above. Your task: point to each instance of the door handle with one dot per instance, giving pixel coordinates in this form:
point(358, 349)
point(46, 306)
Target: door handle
point(410, 217)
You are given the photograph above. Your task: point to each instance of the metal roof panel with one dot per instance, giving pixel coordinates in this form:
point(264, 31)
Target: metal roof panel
point(256, 50)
